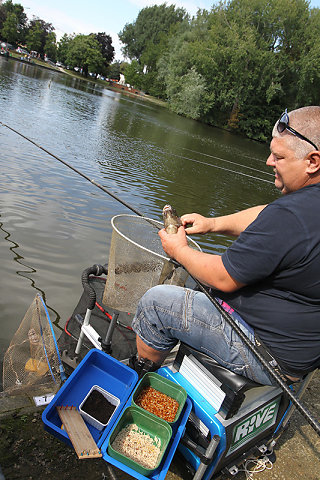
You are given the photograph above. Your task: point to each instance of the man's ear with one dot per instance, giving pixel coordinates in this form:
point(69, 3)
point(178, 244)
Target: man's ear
point(313, 162)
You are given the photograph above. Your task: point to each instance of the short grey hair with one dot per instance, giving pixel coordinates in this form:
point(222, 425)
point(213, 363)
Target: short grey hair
point(305, 120)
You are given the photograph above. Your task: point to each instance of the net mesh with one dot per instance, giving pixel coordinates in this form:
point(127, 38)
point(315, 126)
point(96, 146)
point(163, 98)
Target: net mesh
point(137, 262)
point(31, 361)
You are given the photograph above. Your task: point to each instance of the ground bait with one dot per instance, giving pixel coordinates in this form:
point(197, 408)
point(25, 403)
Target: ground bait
point(138, 446)
point(98, 406)
point(158, 403)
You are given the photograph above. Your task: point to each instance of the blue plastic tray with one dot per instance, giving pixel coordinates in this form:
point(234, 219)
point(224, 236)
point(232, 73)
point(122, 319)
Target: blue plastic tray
point(97, 368)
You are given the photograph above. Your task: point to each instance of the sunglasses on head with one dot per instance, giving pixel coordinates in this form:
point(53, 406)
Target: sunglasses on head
point(283, 124)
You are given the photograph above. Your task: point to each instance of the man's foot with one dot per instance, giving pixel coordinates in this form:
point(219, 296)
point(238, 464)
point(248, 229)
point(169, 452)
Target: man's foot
point(142, 365)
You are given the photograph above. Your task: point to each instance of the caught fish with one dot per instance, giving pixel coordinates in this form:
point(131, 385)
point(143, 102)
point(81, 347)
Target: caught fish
point(171, 223)
point(170, 219)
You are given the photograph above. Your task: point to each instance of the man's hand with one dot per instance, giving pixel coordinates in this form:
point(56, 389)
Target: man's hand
point(207, 268)
point(199, 223)
point(232, 224)
point(174, 243)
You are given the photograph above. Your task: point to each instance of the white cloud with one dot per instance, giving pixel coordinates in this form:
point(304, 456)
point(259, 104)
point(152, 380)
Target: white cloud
point(64, 23)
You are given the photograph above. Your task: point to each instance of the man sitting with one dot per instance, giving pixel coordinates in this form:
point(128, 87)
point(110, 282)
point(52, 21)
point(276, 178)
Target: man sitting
point(269, 276)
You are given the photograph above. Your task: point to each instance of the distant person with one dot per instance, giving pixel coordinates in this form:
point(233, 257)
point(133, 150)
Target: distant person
point(269, 277)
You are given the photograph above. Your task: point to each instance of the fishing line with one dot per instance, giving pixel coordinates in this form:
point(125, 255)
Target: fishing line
point(222, 168)
point(253, 158)
point(301, 408)
point(225, 160)
point(17, 258)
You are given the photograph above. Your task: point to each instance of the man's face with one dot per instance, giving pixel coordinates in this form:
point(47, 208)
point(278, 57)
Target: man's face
point(290, 172)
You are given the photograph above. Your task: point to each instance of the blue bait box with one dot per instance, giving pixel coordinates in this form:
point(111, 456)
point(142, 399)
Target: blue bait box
point(99, 368)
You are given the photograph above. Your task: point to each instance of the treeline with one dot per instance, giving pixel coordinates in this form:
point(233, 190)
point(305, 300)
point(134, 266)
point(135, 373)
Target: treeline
point(236, 66)
point(92, 53)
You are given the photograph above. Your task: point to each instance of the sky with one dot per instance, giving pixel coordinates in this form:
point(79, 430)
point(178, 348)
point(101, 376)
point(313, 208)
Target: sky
point(79, 16)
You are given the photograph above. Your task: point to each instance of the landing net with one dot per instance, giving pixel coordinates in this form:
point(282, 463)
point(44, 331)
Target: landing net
point(31, 361)
point(137, 262)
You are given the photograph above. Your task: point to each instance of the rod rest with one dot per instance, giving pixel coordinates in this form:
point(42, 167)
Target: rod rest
point(233, 385)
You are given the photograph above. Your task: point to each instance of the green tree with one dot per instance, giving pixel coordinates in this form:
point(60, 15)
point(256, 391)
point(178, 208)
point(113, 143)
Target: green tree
point(190, 97)
point(150, 25)
point(261, 57)
point(3, 15)
point(308, 81)
point(107, 49)
point(84, 52)
point(10, 29)
point(133, 74)
point(42, 29)
point(114, 70)
point(9, 8)
point(33, 37)
point(146, 40)
point(18, 10)
point(50, 46)
point(63, 47)
point(250, 53)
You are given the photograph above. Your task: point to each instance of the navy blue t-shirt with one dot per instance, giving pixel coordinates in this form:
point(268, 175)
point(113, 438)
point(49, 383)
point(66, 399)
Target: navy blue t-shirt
point(278, 259)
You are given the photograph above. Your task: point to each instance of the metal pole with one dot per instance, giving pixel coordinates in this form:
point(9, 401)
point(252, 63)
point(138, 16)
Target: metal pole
point(209, 454)
point(85, 324)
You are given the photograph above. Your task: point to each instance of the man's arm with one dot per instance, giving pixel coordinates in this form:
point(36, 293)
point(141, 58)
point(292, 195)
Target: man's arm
point(207, 268)
point(232, 224)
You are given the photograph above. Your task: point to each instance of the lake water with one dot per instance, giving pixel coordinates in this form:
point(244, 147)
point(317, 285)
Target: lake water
point(54, 224)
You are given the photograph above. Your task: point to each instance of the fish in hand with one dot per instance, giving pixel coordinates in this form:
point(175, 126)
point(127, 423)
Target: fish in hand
point(171, 222)
point(171, 219)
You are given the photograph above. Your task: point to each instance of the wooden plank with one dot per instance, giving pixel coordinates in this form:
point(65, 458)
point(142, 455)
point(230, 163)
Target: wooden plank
point(78, 432)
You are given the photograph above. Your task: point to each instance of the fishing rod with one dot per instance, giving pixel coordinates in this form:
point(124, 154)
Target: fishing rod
point(77, 171)
point(295, 401)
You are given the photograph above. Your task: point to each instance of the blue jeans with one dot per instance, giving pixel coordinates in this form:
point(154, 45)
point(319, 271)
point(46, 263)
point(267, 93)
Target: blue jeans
point(167, 314)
